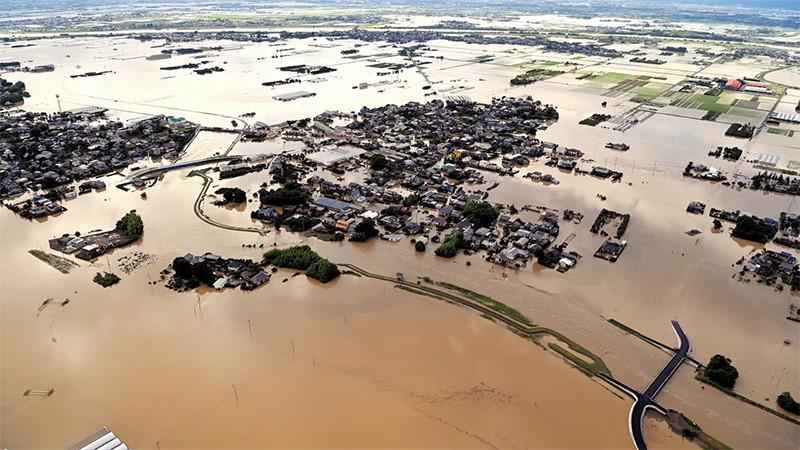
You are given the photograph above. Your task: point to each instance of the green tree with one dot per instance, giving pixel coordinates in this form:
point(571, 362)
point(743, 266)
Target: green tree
point(720, 371)
point(786, 402)
point(299, 257)
point(481, 214)
point(203, 273)
point(182, 267)
point(449, 247)
point(410, 200)
point(131, 224)
point(377, 161)
point(367, 228)
point(290, 194)
point(419, 246)
point(323, 271)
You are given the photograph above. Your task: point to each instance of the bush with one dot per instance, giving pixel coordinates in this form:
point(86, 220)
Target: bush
point(786, 402)
point(106, 279)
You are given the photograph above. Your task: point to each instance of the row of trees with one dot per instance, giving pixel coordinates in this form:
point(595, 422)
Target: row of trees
point(753, 229)
point(292, 193)
point(303, 258)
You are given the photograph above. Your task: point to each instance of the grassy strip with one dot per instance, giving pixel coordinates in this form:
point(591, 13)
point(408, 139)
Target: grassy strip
point(689, 429)
point(704, 379)
point(63, 265)
point(582, 365)
point(597, 366)
point(502, 308)
point(420, 292)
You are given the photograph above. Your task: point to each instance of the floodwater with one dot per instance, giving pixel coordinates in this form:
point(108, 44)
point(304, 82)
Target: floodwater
point(312, 365)
point(402, 371)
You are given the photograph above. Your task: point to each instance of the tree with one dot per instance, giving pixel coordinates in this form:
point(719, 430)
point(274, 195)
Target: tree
point(131, 224)
point(367, 228)
point(720, 371)
point(717, 224)
point(377, 161)
point(786, 402)
point(419, 246)
point(290, 194)
point(449, 247)
point(182, 267)
point(482, 214)
point(323, 271)
point(203, 273)
point(410, 200)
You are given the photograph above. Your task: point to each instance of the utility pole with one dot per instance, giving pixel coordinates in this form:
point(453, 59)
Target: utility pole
point(58, 99)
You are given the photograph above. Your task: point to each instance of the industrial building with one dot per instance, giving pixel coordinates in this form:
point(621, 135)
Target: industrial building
point(293, 96)
point(765, 159)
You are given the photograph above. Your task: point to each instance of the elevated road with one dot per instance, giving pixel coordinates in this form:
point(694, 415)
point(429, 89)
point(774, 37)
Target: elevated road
point(644, 401)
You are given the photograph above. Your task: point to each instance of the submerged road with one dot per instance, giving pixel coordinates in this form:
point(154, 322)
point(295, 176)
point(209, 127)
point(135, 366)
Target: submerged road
point(644, 401)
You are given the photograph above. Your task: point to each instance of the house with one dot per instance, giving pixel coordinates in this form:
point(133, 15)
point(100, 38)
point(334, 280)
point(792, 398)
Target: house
point(696, 208)
point(259, 278)
point(90, 252)
point(235, 266)
point(601, 172)
point(220, 283)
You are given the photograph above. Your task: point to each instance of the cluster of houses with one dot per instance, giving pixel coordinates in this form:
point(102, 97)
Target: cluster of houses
point(395, 37)
point(228, 272)
point(38, 207)
point(339, 208)
point(703, 172)
point(43, 151)
point(469, 133)
point(771, 266)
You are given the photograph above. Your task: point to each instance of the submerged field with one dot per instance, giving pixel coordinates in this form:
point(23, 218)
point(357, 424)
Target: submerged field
point(357, 360)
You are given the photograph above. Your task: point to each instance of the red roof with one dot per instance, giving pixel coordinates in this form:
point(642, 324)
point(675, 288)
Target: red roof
point(733, 84)
point(755, 83)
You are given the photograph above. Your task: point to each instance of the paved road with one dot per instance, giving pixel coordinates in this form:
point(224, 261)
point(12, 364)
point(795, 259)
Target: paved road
point(645, 401)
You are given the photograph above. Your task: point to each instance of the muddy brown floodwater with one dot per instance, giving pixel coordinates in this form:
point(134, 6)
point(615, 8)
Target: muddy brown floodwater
point(373, 366)
point(354, 364)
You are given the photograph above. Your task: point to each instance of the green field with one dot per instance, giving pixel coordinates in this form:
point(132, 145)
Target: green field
point(610, 77)
point(650, 89)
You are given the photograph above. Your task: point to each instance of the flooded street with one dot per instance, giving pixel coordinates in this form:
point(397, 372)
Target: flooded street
point(359, 363)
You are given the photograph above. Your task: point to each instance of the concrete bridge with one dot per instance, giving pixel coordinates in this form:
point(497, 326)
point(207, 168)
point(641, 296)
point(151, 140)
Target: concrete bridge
point(644, 401)
point(144, 173)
